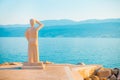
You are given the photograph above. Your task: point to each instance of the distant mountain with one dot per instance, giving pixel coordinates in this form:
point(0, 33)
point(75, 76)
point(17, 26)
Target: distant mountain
point(100, 21)
point(68, 28)
point(66, 22)
point(70, 22)
point(58, 22)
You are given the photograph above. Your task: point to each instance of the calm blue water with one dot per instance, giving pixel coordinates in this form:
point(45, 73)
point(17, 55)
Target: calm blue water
point(105, 51)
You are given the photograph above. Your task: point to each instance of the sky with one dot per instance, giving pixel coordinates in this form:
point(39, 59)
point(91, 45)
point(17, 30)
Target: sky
point(20, 11)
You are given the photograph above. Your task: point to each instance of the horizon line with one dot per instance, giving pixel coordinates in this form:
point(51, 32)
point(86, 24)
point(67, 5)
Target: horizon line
point(59, 20)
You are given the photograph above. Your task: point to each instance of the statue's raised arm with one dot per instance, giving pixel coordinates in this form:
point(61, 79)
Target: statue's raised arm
point(40, 25)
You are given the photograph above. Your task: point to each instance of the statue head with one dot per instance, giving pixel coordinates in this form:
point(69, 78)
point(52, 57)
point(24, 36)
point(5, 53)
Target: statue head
point(32, 22)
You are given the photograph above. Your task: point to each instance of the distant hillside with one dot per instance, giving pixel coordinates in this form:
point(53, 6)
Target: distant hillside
point(68, 28)
point(70, 22)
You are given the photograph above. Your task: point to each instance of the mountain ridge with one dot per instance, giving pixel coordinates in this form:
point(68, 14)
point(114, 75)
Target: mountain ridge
point(90, 28)
point(66, 22)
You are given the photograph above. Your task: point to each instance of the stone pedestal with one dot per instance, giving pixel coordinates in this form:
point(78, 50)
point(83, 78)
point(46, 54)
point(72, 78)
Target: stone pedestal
point(39, 65)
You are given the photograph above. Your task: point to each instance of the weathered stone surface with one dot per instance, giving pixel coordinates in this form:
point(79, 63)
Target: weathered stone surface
point(87, 71)
point(102, 78)
point(47, 62)
point(118, 76)
point(115, 71)
point(6, 63)
point(80, 63)
point(113, 77)
point(11, 63)
point(88, 79)
point(104, 73)
point(15, 63)
point(95, 77)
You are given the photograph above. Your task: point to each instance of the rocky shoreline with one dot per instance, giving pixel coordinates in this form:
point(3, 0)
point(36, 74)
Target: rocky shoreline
point(98, 74)
point(105, 74)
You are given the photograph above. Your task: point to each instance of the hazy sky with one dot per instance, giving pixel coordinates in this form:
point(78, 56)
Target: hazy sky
point(20, 11)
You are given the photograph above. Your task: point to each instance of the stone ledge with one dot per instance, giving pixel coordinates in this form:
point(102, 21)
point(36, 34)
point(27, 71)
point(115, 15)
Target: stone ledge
point(32, 64)
point(39, 65)
point(32, 67)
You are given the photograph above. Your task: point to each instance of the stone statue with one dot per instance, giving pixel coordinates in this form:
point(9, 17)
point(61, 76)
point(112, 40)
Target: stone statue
point(31, 35)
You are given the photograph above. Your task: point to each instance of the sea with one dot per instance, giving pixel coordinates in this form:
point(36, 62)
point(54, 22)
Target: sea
point(103, 51)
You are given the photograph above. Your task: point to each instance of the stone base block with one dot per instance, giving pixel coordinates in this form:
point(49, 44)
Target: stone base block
point(39, 65)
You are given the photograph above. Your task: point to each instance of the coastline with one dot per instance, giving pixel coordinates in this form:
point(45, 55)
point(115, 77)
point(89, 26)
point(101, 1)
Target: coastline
point(53, 71)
